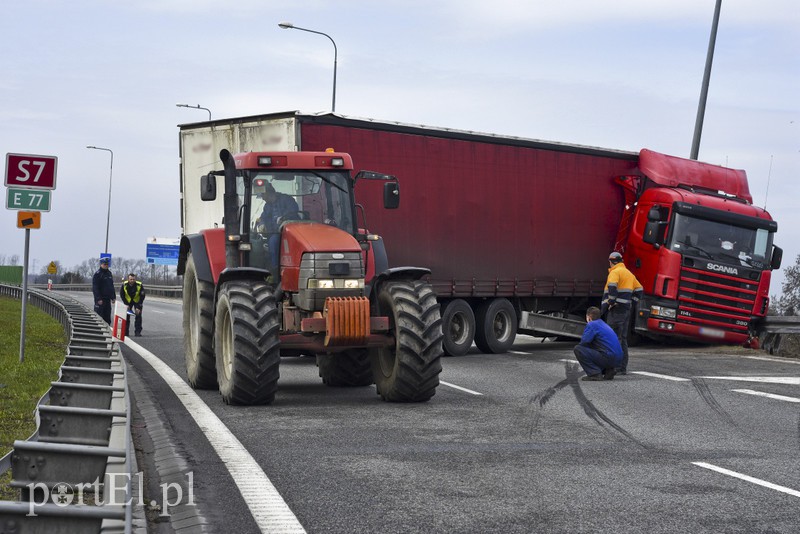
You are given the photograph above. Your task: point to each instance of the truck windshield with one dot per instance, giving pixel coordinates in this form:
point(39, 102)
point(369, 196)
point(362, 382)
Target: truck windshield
point(721, 242)
point(321, 196)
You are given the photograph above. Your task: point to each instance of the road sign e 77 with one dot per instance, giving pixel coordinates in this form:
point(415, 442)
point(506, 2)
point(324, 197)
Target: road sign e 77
point(31, 171)
point(18, 198)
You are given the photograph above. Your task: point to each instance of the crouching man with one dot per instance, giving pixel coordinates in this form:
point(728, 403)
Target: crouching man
point(599, 351)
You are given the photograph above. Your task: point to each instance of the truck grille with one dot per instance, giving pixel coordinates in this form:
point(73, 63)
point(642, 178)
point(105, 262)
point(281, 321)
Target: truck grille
point(716, 299)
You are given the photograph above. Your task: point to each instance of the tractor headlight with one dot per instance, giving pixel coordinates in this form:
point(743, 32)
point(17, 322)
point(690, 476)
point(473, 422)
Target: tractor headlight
point(661, 311)
point(336, 283)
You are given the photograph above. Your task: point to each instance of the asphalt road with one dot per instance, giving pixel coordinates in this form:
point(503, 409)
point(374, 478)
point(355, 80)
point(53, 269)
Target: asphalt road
point(509, 443)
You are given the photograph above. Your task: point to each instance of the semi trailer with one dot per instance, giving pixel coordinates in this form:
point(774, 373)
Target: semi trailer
point(516, 232)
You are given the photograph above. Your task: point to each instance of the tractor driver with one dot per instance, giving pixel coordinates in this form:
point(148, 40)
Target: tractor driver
point(276, 205)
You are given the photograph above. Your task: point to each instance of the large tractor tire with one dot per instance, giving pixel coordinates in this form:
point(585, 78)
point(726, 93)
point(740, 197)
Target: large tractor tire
point(247, 345)
point(198, 329)
point(458, 327)
point(497, 326)
point(350, 368)
point(408, 371)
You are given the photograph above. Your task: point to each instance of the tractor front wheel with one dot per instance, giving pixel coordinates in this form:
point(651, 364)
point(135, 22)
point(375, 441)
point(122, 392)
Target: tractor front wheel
point(408, 371)
point(246, 343)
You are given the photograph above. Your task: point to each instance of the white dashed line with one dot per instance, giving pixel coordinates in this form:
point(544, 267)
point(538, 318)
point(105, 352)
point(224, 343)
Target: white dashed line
point(764, 483)
point(269, 510)
point(665, 377)
point(776, 360)
point(789, 380)
point(768, 395)
point(448, 384)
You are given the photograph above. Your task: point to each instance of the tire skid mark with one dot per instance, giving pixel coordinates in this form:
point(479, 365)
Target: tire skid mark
point(705, 392)
point(599, 417)
point(539, 400)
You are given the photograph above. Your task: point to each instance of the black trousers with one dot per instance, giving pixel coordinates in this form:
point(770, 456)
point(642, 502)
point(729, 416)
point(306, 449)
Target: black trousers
point(619, 320)
point(104, 310)
point(137, 326)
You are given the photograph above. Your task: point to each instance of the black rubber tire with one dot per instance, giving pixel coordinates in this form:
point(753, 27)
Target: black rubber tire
point(497, 324)
point(198, 329)
point(246, 343)
point(350, 368)
point(409, 370)
point(458, 327)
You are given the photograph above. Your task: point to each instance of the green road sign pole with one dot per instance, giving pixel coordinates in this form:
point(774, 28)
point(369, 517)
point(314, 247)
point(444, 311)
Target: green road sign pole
point(24, 296)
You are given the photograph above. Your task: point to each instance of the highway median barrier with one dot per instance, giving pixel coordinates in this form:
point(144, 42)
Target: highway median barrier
point(75, 473)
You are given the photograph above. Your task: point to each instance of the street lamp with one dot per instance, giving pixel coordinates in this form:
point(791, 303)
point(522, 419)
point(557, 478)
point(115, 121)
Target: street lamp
point(701, 107)
point(198, 106)
point(110, 176)
point(289, 25)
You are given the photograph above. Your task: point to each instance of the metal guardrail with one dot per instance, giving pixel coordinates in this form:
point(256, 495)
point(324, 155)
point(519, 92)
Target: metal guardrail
point(774, 328)
point(83, 439)
point(155, 290)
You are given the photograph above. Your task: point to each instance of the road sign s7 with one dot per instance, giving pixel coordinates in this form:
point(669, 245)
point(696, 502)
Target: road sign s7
point(31, 171)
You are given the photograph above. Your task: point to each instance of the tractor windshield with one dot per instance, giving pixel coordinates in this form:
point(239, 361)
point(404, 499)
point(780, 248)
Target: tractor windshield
point(321, 196)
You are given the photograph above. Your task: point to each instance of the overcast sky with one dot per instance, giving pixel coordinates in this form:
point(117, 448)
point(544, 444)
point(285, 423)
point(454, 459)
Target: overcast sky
point(623, 75)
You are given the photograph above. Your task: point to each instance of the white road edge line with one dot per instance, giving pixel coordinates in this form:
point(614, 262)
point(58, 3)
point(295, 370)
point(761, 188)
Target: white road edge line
point(746, 478)
point(448, 384)
point(768, 395)
point(777, 360)
point(269, 510)
point(665, 377)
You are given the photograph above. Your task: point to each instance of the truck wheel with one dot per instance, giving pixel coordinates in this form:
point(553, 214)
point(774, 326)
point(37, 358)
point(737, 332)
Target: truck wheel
point(246, 343)
point(497, 326)
point(198, 329)
point(409, 370)
point(458, 327)
point(350, 368)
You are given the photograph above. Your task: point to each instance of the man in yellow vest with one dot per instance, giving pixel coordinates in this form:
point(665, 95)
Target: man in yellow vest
point(622, 292)
point(132, 294)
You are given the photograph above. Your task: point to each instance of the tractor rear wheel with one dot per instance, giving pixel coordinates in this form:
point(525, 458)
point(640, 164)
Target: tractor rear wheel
point(409, 370)
point(350, 368)
point(247, 345)
point(198, 328)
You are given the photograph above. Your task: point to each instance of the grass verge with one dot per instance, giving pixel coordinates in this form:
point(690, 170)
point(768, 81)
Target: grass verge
point(23, 384)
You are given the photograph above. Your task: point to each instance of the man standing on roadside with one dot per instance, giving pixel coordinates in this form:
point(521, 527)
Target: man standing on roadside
point(599, 351)
point(104, 291)
point(621, 292)
point(132, 294)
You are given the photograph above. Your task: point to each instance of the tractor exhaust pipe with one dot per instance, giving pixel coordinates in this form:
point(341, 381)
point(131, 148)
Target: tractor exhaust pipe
point(231, 203)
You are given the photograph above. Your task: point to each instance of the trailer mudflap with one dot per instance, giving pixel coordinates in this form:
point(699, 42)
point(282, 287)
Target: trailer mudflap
point(548, 325)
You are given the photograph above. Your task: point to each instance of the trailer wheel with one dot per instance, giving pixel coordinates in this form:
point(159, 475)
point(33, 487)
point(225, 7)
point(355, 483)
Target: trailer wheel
point(497, 326)
point(409, 370)
point(247, 343)
point(350, 368)
point(198, 329)
point(458, 327)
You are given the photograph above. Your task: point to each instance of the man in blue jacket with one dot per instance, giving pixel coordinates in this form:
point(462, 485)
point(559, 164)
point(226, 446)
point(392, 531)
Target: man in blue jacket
point(599, 351)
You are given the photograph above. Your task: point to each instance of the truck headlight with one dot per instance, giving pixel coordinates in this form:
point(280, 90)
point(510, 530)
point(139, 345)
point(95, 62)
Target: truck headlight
point(661, 311)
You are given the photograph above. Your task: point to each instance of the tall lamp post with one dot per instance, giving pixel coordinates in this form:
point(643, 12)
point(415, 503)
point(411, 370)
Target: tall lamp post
point(701, 107)
point(198, 106)
point(110, 177)
point(289, 25)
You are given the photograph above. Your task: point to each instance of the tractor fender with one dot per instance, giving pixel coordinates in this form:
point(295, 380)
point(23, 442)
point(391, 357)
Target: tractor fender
point(242, 273)
point(197, 244)
point(396, 273)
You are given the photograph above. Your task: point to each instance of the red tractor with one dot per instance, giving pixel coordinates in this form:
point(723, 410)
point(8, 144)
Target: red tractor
point(288, 272)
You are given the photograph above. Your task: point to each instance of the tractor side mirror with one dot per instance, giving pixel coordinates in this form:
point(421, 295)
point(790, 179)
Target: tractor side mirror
point(208, 187)
point(391, 195)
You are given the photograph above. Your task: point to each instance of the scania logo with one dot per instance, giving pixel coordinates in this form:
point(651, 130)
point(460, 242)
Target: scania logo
point(722, 268)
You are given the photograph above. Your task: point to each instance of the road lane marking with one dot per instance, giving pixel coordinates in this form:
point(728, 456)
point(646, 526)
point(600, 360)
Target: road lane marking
point(789, 380)
point(768, 395)
point(665, 377)
point(269, 510)
point(764, 483)
point(156, 311)
point(777, 360)
point(519, 352)
point(448, 384)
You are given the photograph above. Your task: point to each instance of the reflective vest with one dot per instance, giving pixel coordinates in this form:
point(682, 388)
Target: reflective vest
point(622, 287)
point(135, 298)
